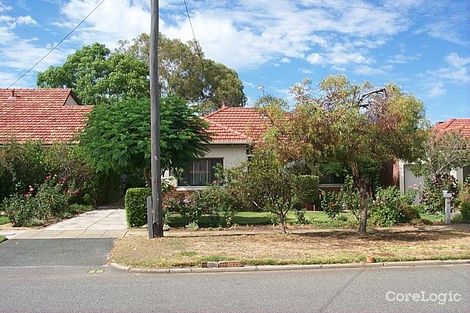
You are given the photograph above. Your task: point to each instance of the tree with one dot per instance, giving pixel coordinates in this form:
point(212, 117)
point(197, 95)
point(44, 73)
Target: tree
point(185, 72)
point(356, 126)
point(98, 76)
point(117, 136)
point(444, 151)
point(270, 184)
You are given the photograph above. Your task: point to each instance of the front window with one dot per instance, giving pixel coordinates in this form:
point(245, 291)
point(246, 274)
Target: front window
point(332, 179)
point(201, 172)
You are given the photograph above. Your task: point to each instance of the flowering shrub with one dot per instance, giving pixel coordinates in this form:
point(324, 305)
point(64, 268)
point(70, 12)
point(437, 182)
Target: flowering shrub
point(36, 206)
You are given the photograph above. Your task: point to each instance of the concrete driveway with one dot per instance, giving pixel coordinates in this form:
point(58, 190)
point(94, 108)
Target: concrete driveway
point(104, 223)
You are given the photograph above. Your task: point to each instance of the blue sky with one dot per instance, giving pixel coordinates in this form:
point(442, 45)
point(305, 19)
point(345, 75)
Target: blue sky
point(421, 45)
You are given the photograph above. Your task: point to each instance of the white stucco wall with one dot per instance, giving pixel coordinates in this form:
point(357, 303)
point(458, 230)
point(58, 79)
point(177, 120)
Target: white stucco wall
point(232, 154)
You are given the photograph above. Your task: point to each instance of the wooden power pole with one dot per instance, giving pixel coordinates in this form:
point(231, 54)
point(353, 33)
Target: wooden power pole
point(154, 207)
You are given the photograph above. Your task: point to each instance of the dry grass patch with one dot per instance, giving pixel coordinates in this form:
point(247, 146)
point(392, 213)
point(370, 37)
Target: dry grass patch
point(307, 248)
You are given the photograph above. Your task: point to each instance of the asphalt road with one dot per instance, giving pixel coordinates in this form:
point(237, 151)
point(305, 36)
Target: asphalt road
point(97, 288)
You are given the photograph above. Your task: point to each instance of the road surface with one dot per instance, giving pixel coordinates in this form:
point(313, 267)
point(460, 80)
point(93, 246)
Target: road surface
point(81, 283)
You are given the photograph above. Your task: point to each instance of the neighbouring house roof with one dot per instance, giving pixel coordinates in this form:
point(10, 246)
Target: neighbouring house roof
point(455, 124)
point(237, 125)
point(46, 115)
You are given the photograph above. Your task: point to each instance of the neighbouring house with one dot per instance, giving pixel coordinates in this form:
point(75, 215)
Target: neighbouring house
point(45, 115)
point(409, 180)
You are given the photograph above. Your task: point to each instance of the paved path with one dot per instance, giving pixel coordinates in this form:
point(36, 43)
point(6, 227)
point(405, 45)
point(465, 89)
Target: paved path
point(110, 223)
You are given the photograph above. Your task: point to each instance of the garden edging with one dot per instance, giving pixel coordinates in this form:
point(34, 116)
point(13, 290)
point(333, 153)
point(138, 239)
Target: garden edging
point(266, 268)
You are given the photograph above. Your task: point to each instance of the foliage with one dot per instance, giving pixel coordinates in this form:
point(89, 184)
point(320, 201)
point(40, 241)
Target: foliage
point(431, 196)
point(464, 203)
point(184, 71)
point(300, 217)
point(347, 198)
point(306, 189)
point(52, 197)
point(98, 76)
point(135, 203)
point(355, 126)
point(50, 200)
point(268, 183)
point(117, 137)
point(20, 210)
point(391, 207)
point(24, 165)
point(444, 151)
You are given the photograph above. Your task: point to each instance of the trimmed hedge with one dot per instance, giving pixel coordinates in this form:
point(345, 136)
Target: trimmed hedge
point(136, 206)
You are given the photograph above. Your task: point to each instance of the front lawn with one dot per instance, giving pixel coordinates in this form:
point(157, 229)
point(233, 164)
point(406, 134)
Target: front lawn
point(316, 219)
point(4, 220)
point(313, 247)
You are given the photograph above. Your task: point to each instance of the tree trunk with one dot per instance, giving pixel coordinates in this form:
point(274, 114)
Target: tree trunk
point(364, 211)
point(148, 176)
point(282, 221)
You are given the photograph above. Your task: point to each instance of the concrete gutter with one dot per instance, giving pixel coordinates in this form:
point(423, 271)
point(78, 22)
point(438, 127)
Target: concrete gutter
point(270, 268)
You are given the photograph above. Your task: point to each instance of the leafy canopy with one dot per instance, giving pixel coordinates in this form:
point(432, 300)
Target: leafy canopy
point(354, 126)
point(98, 76)
point(185, 72)
point(117, 137)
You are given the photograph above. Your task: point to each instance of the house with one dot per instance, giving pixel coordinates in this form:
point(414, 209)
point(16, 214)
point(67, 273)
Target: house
point(233, 132)
point(46, 115)
point(409, 180)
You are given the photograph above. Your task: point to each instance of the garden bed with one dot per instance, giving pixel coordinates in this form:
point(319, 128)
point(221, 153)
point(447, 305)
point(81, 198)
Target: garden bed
point(308, 247)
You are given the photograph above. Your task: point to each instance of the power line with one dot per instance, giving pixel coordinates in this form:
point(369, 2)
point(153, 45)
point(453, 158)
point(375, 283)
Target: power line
point(198, 46)
point(58, 44)
point(323, 4)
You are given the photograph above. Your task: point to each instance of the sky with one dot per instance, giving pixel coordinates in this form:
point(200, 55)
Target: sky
point(421, 45)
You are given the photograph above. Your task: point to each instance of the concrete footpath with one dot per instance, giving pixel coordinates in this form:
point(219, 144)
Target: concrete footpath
point(104, 223)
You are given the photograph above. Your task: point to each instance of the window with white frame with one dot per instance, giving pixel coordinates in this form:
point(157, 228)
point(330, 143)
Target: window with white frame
point(201, 172)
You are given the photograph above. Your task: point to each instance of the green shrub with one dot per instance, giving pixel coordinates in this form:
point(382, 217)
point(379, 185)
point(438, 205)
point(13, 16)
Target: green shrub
point(465, 211)
point(306, 189)
point(214, 201)
point(331, 204)
point(135, 203)
point(300, 217)
point(20, 210)
point(391, 207)
point(431, 196)
point(51, 198)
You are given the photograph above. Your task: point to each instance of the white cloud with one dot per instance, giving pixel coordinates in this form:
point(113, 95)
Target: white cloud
point(4, 7)
point(402, 59)
point(457, 70)
point(315, 58)
point(457, 61)
point(436, 89)
point(284, 60)
point(247, 33)
point(369, 71)
point(111, 22)
point(26, 20)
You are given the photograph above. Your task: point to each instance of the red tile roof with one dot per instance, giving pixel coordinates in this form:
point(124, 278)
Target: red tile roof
point(40, 115)
point(460, 124)
point(237, 125)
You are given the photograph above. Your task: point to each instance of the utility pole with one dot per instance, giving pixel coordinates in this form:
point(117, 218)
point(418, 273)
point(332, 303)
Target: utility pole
point(154, 207)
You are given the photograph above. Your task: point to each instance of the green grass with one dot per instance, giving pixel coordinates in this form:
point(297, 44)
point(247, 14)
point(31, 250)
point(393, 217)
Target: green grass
point(2, 238)
point(433, 217)
point(318, 219)
point(315, 218)
point(4, 220)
